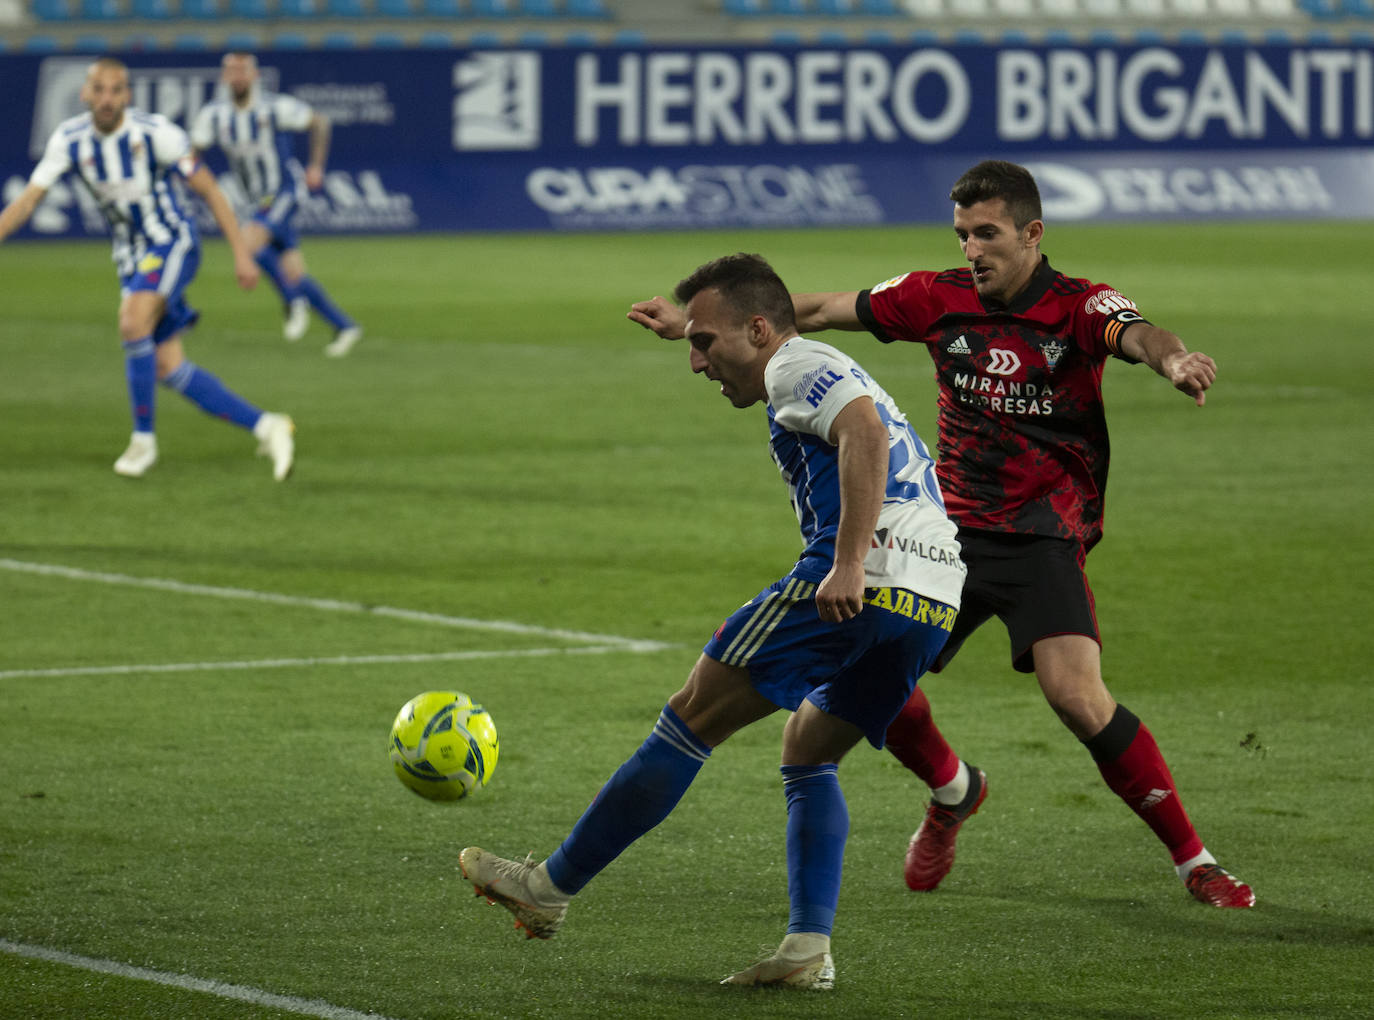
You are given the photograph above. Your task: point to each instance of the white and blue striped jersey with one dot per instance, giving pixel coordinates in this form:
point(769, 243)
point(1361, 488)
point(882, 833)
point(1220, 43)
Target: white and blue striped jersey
point(915, 545)
point(256, 139)
point(130, 173)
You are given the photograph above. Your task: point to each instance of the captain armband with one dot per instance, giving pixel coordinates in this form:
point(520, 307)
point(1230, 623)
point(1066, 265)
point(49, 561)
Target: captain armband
point(1116, 326)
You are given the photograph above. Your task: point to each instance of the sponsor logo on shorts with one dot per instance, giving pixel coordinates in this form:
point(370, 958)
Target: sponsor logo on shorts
point(912, 606)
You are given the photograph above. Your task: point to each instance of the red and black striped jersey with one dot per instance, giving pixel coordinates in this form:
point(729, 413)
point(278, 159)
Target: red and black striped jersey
point(1023, 444)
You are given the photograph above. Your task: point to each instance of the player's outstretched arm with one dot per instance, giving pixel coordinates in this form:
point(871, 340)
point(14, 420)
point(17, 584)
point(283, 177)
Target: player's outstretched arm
point(1191, 372)
point(661, 316)
point(202, 182)
point(18, 212)
point(863, 454)
point(826, 310)
point(814, 312)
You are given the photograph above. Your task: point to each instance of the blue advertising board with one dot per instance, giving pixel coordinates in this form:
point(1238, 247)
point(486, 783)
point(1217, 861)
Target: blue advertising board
point(701, 136)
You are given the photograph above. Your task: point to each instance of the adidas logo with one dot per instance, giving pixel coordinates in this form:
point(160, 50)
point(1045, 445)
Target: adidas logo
point(1154, 798)
point(960, 346)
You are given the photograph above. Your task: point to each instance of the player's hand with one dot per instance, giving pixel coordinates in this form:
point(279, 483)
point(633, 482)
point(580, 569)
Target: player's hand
point(246, 271)
point(661, 316)
point(840, 596)
point(314, 177)
point(1193, 373)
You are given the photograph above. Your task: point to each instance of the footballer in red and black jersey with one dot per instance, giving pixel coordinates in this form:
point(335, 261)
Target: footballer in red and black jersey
point(1022, 431)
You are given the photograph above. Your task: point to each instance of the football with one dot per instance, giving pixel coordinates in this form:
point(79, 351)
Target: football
point(443, 745)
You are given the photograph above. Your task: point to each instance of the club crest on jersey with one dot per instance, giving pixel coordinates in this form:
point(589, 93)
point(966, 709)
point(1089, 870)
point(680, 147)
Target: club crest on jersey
point(1053, 351)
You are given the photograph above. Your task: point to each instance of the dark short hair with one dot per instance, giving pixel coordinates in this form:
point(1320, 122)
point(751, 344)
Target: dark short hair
point(996, 178)
point(749, 286)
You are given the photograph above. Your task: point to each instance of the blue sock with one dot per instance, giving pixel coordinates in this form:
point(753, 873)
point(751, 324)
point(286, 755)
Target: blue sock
point(817, 826)
point(266, 257)
point(140, 368)
point(639, 796)
point(209, 394)
point(309, 289)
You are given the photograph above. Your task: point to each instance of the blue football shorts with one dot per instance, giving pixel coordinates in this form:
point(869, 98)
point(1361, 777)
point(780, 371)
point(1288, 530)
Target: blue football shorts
point(862, 670)
point(168, 270)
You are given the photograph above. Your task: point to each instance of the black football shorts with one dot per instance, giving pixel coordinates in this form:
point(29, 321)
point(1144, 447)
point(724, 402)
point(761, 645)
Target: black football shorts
point(1035, 585)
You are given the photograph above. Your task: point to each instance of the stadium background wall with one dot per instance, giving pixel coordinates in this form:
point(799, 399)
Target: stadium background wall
point(624, 138)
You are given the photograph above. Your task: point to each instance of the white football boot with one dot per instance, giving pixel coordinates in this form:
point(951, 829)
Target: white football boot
point(139, 457)
point(802, 961)
point(343, 342)
point(519, 886)
point(297, 319)
point(276, 439)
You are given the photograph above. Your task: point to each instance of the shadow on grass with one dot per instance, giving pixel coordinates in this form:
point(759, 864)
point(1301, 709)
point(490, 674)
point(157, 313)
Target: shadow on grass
point(1323, 926)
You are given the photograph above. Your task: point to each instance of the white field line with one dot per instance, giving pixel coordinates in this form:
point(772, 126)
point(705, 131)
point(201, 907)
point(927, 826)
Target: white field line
point(330, 605)
point(240, 993)
point(330, 660)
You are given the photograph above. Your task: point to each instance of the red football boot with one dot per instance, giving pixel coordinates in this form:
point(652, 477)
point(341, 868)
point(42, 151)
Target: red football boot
point(931, 853)
point(1214, 885)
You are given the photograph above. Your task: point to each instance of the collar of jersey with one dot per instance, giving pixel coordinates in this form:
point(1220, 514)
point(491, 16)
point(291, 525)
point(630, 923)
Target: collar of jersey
point(1034, 290)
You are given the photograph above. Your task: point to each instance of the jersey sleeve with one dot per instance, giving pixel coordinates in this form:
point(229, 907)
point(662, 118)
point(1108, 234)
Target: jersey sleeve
point(203, 129)
point(56, 161)
point(291, 114)
point(899, 308)
point(808, 386)
point(1102, 317)
point(172, 147)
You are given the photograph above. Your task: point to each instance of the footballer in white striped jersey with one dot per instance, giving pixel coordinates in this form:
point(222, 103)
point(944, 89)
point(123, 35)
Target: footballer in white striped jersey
point(133, 164)
point(253, 127)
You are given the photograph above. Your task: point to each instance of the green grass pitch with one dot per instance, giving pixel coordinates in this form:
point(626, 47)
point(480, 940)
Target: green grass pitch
point(198, 785)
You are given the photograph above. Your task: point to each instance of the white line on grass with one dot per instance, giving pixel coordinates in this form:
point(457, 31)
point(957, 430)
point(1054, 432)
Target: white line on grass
point(330, 660)
point(240, 993)
point(329, 605)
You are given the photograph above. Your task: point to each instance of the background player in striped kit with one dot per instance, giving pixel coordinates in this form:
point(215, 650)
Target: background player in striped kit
point(127, 160)
point(1019, 351)
point(839, 641)
point(254, 127)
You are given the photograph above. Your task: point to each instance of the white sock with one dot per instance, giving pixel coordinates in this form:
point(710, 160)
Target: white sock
point(1187, 866)
point(802, 945)
point(955, 790)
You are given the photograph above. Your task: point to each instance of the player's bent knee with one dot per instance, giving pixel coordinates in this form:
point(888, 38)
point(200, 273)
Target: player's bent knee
point(135, 327)
point(1084, 714)
point(717, 700)
point(138, 314)
point(813, 737)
